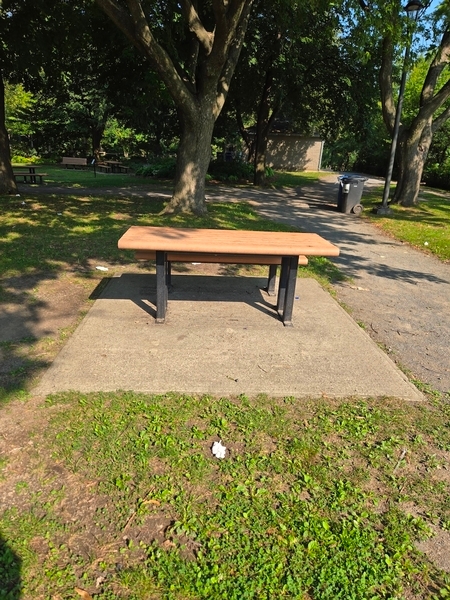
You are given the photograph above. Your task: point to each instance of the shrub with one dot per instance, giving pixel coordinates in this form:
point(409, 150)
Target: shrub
point(164, 168)
point(160, 168)
point(18, 159)
point(437, 175)
point(234, 170)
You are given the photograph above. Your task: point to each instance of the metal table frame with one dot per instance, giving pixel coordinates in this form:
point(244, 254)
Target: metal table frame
point(286, 288)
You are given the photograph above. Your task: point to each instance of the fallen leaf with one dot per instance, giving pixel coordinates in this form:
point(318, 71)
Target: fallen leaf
point(152, 501)
point(83, 594)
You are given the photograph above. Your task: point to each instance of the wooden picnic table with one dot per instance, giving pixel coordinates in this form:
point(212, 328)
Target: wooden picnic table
point(25, 169)
point(27, 173)
point(228, 243)
point(116, 166)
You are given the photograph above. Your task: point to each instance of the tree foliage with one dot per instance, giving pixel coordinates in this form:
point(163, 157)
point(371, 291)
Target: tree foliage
point(298, 71)
point(393, 31)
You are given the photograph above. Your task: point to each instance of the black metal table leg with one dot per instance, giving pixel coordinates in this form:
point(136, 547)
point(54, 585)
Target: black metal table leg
point(271, 280)
point(169, 274)
point(161, 286)
point(284, 272)
point(289, 296)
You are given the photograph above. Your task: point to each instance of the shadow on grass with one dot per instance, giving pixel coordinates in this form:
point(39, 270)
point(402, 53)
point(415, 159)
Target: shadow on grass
point(433, 208)
point(17, 369)
point(10, 572)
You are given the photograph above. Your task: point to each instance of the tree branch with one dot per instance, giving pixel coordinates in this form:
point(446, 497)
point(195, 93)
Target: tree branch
point(440, 60)
point(119, 17)
point(385, 79)
point(440, 120)
point(134, 25)
point(427, 110)
point(206, 38)
point(233, 48)
point(438, 100)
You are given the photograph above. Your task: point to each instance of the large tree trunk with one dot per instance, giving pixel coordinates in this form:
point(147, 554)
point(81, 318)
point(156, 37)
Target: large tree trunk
point(413, 153)
point(97, 136)
point(7, 181)
point(263, 127)
point(193, 158)
point(259, 177)
point(249, 140)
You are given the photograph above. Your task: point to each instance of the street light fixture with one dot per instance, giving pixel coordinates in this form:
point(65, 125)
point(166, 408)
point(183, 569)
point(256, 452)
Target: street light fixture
point(413, 9)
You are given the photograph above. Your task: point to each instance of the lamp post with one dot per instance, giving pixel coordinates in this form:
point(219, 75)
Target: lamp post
point(413, 9)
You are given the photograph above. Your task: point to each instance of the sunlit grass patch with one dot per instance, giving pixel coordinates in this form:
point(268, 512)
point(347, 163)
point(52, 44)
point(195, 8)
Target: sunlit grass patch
point(425, 226)
point(294, 179)
point(47, 233)
point(57, 175)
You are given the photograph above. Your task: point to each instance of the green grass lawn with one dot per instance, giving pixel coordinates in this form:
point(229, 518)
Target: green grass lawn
point(117, 495)
point(425, 226)
point(70, 229)
point(319, 499)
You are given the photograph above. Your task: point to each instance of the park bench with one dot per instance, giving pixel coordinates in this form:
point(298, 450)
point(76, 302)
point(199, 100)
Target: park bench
point(111, 166)
point(234, 259)
point(71, 161)
point(223, 245)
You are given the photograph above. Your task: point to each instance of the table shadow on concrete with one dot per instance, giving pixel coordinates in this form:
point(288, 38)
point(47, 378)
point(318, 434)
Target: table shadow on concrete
point(196, 288)
point(215, 342)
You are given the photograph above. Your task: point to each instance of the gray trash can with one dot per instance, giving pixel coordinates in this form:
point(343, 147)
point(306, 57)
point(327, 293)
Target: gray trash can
point(350, 192)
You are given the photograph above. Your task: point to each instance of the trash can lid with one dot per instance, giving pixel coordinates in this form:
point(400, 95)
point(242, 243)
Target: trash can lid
point(348, 177)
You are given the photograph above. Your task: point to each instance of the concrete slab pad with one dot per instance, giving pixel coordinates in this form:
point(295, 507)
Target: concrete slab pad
point(222, 337)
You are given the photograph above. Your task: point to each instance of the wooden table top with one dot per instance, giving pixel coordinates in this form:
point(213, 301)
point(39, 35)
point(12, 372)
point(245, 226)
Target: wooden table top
point(25, 168)
point(226, 241)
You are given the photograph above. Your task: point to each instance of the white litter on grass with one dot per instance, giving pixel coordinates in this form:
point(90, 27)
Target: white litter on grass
point(218, 450)
point(101, 268)
point(425, 243)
